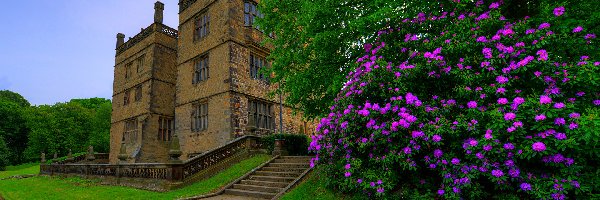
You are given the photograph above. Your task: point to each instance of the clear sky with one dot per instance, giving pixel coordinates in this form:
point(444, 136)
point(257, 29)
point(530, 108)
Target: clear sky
point(56, 50)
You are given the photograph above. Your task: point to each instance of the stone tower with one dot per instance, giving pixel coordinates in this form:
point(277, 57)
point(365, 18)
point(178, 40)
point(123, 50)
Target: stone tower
point(144, 93)
point(202, 83)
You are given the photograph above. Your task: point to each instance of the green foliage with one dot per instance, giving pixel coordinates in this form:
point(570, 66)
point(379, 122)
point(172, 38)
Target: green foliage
point(295, 144)
point(476, 106)
point(316, 41)
point(73, 125)
point(9, 96)
point(13, 129)
point(314, 187)
point(4, 154)
point(45, 187)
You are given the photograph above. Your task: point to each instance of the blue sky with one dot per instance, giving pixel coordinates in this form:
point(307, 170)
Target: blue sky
point(56, 50)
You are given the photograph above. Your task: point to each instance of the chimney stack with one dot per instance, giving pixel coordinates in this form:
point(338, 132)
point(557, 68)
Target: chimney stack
point(120, 39)
point(158, 12)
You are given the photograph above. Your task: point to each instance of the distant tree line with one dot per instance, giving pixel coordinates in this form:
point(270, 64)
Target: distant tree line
point(26, 131)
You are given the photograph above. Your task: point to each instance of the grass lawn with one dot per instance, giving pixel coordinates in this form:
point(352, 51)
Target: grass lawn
point(47, 188)
point(313, 187)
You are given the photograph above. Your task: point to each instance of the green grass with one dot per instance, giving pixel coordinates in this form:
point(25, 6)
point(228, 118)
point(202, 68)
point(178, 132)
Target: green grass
point(30, 168)
point(47, 188)
point(313, 187)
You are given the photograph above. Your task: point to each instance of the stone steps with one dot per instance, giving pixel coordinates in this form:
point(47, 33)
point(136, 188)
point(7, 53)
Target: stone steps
point(271, 179)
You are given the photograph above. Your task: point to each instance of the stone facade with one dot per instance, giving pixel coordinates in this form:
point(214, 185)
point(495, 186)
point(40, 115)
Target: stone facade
point(168, 61)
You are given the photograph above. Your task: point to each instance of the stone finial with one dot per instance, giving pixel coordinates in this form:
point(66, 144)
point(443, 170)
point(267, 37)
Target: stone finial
point(70, 156)
point(174, 149)
point(90, 154)
point(120, 39)
point(158, 12)
point(43, 161)
point(251, 126)
point(122, 152)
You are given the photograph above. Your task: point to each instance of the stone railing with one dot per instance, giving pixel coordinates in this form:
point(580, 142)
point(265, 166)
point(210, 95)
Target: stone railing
point(210, 158)
point(144, 33)
point(174, 172)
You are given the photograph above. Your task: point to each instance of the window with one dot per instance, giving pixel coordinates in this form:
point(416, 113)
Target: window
point(250, 12)
point(262, 114)
point(201, 24)
point(140, 64)
point(200, 117)
point(165, 128)
point(128, 70)
point(200, 69)
point(130, 133)
point(138, 93)
point(126, 97)
point(256, 63)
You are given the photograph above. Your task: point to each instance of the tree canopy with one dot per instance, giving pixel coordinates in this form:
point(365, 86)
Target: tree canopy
point(317, 41)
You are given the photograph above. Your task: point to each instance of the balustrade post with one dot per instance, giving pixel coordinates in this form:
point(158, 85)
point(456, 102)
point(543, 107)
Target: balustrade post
point(122, 153)
point(90, 154)
point(43, 161)
point(174, 149)
point(70, 156)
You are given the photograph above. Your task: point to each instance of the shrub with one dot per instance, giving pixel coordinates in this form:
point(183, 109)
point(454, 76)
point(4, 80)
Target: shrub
point(463, 103)
point(4, 154)
point(295, 144)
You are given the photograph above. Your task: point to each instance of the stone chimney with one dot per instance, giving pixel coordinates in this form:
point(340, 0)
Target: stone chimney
point(158, 12)
point(120, 39)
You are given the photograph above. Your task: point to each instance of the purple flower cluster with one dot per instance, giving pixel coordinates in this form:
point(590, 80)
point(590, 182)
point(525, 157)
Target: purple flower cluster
point(489, 112)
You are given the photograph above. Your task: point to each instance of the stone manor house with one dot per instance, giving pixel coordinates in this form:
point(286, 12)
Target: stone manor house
point(201, 82)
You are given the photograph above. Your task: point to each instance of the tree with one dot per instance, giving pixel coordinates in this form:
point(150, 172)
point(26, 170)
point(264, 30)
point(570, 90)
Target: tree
point(58, 128)
point(13, 129)
point(317, 41)
point(6, 95)
point(4, 154)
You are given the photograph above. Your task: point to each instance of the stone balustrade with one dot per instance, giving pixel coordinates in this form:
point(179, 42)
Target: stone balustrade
point(173, 172)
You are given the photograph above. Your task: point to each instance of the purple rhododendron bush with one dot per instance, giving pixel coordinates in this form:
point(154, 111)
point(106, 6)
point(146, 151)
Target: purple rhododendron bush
point(463, 103)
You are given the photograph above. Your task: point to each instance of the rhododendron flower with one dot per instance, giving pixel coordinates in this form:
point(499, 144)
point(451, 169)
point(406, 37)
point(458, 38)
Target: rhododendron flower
point(558, 11)
point(560, 136)
point(574, 115)
point(509, 146)
point(540, 117)
point(509, 116)
point(380, 190)
point(573, 125)
point(545, 99)
point(538, 146)
point(438, 153)
point(497, 173)
point(347, 174)
point(455, 161)
point(559, 121)
point(502, 101)
point(501, 79)
point(436, 138)
point(544, 25)
point(543, 55)
point(559, 105)
point(487, 53)
point(525, 186)
point(441, 192)
point(472, 104)
point(500, 90)
point(577, 29)
point(511, 129)
point(518, 100)
point(488, 134)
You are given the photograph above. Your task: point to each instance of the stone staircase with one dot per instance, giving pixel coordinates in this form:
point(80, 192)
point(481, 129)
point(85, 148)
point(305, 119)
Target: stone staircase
point(271, 179)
